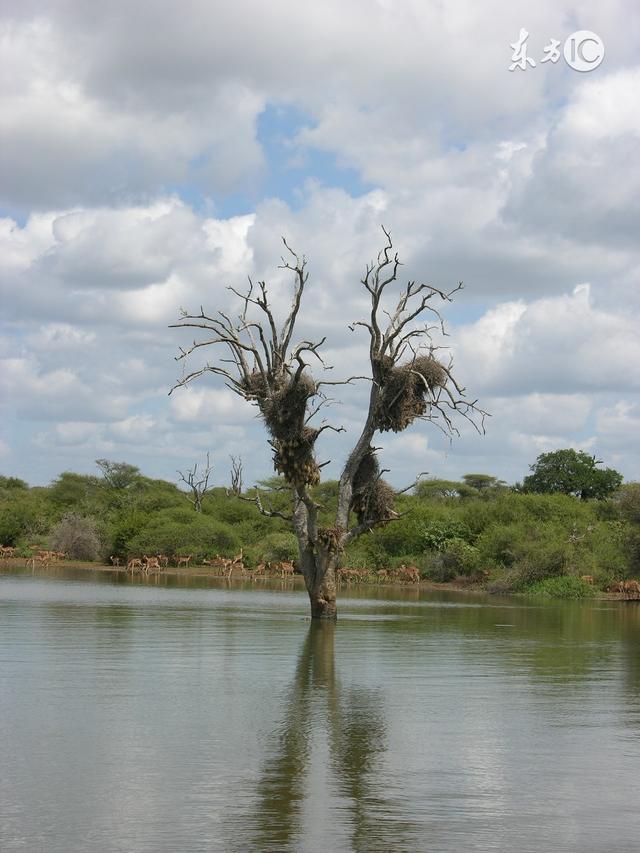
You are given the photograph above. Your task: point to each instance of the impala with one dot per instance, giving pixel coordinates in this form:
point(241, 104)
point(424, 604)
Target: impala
point(286, 569)
point(133, 564)
point(42, 557)
point(150, 563)
point(409, 574)
point(183, 561)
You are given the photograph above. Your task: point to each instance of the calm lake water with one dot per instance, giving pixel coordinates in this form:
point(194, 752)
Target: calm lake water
point(153, 718)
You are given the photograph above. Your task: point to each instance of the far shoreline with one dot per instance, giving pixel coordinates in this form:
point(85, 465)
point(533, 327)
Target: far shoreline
point(197, 571)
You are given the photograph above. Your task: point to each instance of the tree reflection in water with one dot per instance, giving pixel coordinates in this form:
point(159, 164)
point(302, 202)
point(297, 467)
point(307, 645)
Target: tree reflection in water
point(295, 801)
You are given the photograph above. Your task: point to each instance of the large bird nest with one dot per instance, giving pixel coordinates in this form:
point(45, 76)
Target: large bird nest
point(284, 408)
point(373, 498)
point(283, 405)
point(294, 458)
point(405, 392)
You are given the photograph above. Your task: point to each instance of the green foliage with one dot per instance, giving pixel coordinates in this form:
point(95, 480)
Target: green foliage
point(437, 535)
point(72, 491)
point(277, 547)
point(572, 472)
point(460, 557)
point(430, 489)
point(520, 538)
point(14, 521)
point(628, 502)
point(12, 483)
point(178, 531)
point(567, 586)
point(483, 483)
point(24, 514)
point(118, 475)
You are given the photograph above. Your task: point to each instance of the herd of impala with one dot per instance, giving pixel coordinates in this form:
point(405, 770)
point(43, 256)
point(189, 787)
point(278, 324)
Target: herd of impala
point(283, 569)
point(37, 555)
point(227, 565)
point(404, 574)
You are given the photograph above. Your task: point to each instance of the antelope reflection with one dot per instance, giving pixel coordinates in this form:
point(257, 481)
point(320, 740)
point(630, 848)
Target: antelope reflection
point(319, 780)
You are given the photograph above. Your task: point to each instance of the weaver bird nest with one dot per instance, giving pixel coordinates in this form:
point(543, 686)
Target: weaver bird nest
point(373, 498)
point(406, 390)
point(283, 405)
point(294, 458)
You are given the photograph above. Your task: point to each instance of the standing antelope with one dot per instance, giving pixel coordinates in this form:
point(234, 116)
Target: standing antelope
point(409, 573)
point(115, 561)
point(150, 563)
point(133, 564)
point(261, 569)
point(286, 569)
point(41, 557)
point(183, 561)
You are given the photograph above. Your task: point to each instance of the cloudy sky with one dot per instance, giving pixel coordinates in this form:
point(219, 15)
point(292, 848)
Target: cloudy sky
point(155, 152)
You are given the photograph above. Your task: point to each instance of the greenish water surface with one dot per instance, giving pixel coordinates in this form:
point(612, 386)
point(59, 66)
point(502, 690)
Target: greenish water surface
point(207, 716)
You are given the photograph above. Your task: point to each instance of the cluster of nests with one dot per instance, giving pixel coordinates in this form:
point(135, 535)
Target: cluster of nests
point(283, 405)
point(373, 498)
point(405, 391)
point(404, 395)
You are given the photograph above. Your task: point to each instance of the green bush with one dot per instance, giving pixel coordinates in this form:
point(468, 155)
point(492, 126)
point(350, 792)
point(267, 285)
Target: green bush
point(433, 567)
point(460, 557)
point(566, 586)
point(192, 532)
point(437, 534)
point(277, 547)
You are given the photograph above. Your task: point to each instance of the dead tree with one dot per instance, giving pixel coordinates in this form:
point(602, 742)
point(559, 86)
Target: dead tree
point(236, 476)
point(197, 487)
point(407, 382)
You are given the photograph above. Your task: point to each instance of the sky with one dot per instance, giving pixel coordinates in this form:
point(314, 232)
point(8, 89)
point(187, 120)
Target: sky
point(155, 153)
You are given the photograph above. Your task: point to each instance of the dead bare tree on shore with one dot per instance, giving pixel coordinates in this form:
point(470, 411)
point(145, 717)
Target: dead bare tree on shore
point(407, 382)
point(236, 476)
point(198, 486)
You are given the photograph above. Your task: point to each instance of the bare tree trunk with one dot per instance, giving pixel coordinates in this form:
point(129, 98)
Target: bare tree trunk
point(319, 570)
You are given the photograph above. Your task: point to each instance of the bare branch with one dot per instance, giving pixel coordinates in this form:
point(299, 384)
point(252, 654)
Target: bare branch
point(414, 484)
point(329, 426)
point(269, 513)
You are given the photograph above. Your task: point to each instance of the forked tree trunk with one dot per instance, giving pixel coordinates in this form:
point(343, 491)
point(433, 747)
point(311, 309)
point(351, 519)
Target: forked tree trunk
point(319, 570)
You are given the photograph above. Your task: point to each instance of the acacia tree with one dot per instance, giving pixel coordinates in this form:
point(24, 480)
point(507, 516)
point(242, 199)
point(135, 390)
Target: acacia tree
point(407, 382)
point(572, 472)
